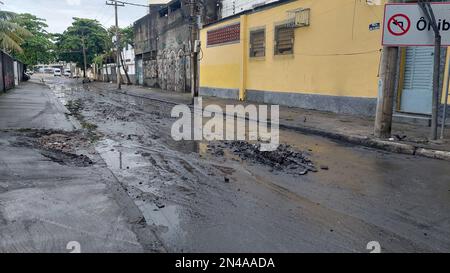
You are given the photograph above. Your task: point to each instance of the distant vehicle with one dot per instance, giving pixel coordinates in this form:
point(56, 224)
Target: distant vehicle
point(29, 72)
point(57, 72)
point(67, 73)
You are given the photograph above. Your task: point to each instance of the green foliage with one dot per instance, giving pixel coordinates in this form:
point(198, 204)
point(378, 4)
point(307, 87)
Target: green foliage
point(82, 31)
point(37, 48)
point(12, 35)
point(126, 38)
point(32, 23)
point(126, 35)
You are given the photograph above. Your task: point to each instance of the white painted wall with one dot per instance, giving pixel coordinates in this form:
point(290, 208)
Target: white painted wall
point(128, 58)
point(231, 7)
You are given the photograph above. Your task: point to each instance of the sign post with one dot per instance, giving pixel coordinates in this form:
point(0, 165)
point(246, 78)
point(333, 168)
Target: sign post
point(409, 25)
point(428, 11)
point(421, 24)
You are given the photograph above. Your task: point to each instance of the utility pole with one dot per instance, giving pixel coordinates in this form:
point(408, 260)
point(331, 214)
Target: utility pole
point(194, 48)
point(84, 55)
point(429, 14)
point(386, 90)
point(118, 50)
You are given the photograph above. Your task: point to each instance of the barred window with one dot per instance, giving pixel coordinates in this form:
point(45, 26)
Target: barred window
point(258, 43)
point(284, 40)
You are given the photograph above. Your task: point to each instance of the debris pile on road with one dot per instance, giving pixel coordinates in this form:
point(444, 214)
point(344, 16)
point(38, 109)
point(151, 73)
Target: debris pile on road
point(116, 113)
point(75, 107)
point(285, 158)
point(58, 142)
point(59, 146)
point(67, 158)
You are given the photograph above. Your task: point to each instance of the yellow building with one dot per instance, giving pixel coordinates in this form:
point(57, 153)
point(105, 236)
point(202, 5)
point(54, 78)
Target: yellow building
point(313, 54)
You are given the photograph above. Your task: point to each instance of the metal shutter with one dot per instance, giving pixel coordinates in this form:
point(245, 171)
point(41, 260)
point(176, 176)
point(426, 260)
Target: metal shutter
point(418, 80)
point(258, 43)
point(284, 40)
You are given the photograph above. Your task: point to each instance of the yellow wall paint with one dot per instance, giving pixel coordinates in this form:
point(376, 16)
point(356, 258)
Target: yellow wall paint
point(335, 55)
point(220, 65)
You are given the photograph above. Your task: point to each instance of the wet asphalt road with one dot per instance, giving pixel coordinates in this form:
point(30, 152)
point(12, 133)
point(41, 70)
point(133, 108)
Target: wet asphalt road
point(402, 202)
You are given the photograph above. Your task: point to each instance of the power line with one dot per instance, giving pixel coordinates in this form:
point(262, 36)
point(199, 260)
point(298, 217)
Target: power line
point(130, 3)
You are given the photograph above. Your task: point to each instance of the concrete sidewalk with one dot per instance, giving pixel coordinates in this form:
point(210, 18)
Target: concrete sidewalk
point(408, 138)
point(31, 105)
point(46, 201)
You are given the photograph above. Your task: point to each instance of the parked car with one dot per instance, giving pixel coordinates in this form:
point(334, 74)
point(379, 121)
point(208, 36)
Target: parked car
point(67, 73)
point(57, 72)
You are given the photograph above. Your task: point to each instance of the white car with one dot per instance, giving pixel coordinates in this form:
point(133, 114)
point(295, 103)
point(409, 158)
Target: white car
point(57, 72)
point(67, 73)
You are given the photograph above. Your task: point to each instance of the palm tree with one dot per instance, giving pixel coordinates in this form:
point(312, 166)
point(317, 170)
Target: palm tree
point(11, 34)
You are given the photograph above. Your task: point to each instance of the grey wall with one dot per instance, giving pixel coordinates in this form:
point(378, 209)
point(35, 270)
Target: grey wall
point(336, 104)
point(343, 105)
point(165, 47)
point(162, 40)
point(220, 93)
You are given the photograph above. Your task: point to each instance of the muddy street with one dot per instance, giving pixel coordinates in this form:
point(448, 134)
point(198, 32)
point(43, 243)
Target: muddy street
point(222, 197)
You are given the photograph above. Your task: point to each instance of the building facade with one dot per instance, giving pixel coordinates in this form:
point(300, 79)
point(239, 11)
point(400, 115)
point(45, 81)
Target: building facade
point(313, 54)
point(128, 69)
point(233, 7)
point(163, 45)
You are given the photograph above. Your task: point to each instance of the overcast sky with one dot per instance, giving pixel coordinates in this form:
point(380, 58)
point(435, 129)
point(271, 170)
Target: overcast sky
point(59, 13)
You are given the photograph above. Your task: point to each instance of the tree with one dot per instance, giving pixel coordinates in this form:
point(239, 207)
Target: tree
point(82, 33)
point(39, 47)
point(127, 35)
point(12, 35)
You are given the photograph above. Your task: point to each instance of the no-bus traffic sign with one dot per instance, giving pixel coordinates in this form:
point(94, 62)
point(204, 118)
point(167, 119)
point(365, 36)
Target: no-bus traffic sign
point(406, 25)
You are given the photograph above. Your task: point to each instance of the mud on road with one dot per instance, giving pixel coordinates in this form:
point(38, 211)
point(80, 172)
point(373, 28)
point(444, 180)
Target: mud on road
point(65, 148)
point(310, 195)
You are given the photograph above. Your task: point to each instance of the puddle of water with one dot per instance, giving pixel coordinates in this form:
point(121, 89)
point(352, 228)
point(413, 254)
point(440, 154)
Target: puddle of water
point(167, 220)
point(118, 157)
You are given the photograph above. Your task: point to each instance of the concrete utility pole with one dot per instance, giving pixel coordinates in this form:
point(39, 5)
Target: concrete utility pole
point(429, 14)
point(118, 50)
point(386, 90)
point(84, 55)
point(194, 52)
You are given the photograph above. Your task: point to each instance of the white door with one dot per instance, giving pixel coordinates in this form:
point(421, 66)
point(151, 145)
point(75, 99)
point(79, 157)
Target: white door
point(140, 71)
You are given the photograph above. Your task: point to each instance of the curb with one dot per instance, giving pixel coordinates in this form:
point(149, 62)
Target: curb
point(442, 155)
point(394, 147)
point(358, 140)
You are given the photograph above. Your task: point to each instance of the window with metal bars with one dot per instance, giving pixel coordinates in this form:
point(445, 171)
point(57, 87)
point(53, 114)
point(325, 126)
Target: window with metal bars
point(258, 43)
point(284, 40)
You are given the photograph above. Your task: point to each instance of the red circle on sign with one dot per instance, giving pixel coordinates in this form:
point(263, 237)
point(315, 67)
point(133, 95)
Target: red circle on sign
point(394, 20)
